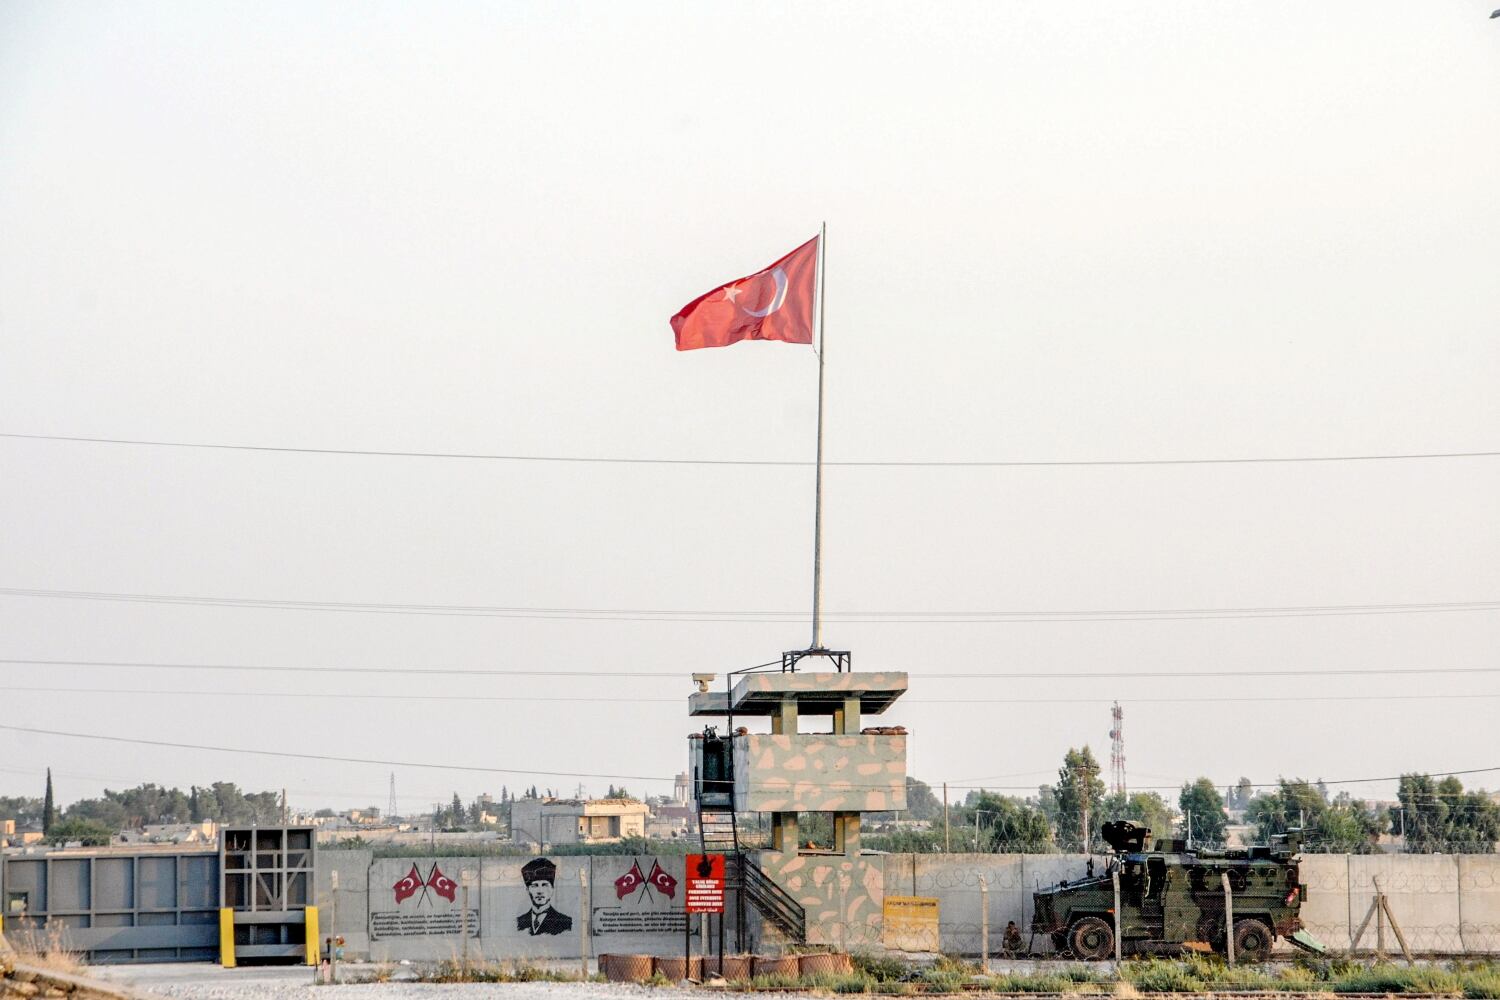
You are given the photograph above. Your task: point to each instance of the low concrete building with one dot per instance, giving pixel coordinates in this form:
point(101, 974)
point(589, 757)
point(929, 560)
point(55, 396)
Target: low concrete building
point(543, 822)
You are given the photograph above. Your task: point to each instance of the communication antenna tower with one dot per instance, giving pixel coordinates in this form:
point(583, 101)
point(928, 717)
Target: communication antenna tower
point(390, 807)
point(1117, 749)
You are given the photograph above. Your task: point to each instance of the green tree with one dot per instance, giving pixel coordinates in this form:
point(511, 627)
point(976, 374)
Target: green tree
point(1006, 825)
point(1078, 785)
point(49, 806)
point(906, 842)
point(921, 803)
point(1243, 792)
point(1294, 803)
point(86, 832)
point(25, 811)
point(1146, 808)
point(1347, 826)
point(1439, 816)
point(1202, 801)
point(106, 812)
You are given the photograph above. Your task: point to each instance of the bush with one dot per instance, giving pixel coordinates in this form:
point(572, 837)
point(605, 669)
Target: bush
point(851, 983)
point(1039, 983)
point(944, 980)
point(1157, 976)
point(1427, 979)
point(1080, 974)
point(1481, 984)
point(880, 968)
point(1296, 979)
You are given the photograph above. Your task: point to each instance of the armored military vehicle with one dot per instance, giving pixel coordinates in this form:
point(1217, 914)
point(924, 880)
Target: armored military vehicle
point(1172, 899)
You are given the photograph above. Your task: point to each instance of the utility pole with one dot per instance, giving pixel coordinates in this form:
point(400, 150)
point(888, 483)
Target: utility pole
point(283, 808)
point(947, 844)
point(1086, 838)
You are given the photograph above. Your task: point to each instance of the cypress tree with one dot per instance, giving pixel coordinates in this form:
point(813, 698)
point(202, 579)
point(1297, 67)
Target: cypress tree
point(49, 810)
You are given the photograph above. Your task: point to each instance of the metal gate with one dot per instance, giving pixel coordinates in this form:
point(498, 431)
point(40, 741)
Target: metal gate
point(146, 906)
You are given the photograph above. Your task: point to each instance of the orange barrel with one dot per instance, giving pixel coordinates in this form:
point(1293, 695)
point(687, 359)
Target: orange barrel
point(674, 967)
point(627, 968)
point(736, 968)
point(825, 964)
point(776, 965)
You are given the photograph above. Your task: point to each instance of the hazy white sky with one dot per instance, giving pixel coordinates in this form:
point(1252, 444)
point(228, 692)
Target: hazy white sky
point(1056, 233)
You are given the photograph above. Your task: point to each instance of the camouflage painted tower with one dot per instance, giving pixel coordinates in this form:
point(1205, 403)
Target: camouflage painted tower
point(809, 752)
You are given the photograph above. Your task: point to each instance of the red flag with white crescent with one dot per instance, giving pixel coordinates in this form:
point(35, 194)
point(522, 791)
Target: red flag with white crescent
point(630, 881)
point(441, 884)
point(775, 303)
point(663, 882)
point(409, 884)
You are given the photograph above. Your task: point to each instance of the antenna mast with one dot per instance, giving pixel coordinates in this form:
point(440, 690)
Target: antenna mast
point(1117, 749)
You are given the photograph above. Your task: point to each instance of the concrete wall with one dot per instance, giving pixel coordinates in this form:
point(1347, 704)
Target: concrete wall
point(1445, 904)
point(395, 908)
point(819, 772)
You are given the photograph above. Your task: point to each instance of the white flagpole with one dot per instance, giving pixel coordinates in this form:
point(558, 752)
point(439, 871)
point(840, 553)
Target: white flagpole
point(817, 613)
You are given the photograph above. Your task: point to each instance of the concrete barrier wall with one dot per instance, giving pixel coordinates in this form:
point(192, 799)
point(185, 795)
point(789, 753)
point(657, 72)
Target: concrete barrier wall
point(1445, 904)
point(389, 909)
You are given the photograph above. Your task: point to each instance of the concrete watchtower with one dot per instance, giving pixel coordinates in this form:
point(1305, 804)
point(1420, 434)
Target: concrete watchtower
point(818, 757)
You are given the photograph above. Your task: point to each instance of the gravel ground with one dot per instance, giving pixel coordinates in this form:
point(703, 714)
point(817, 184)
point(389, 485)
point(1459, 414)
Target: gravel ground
point(210, 982)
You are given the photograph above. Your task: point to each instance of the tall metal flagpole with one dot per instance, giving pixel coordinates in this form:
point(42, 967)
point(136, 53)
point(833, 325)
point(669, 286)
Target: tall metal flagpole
point(817, 613)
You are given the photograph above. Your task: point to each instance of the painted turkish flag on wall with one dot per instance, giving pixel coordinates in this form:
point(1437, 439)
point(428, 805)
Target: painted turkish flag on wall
point(773, 304)
point(442, 884)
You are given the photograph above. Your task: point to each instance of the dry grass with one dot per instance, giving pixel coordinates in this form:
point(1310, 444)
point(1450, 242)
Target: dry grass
point(50, 953)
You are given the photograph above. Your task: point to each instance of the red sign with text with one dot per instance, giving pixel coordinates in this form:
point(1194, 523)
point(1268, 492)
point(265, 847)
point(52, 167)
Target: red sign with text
point(705, 883)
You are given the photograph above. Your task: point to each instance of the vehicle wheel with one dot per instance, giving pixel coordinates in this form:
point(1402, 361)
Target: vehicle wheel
point(1091, 939)
point(1252, 941)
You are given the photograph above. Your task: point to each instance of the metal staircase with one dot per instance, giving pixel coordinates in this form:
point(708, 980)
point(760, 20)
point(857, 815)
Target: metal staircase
point(774, 904)
point(719, 832)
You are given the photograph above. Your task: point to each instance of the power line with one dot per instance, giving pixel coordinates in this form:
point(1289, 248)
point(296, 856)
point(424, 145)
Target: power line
point(331, 758)
point(595, 460)
point(752, 616)
point(361, 696)
point(1048, 675)
point(628, 777)
point(436, 671)
point(342, 696)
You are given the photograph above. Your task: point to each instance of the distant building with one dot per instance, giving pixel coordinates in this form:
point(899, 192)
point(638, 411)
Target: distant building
point(206, 832)
point(541, 822)
point(11, 837)
point(670, 818)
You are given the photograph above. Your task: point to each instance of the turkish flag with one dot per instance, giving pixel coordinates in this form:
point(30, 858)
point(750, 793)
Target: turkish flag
point(773, 304)
point(409, 884)
point(441, 884)
point(664, 883)
point(630, 881)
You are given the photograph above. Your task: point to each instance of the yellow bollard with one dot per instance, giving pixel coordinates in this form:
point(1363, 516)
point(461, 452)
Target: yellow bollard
point(226, 938)
point(313, 954)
